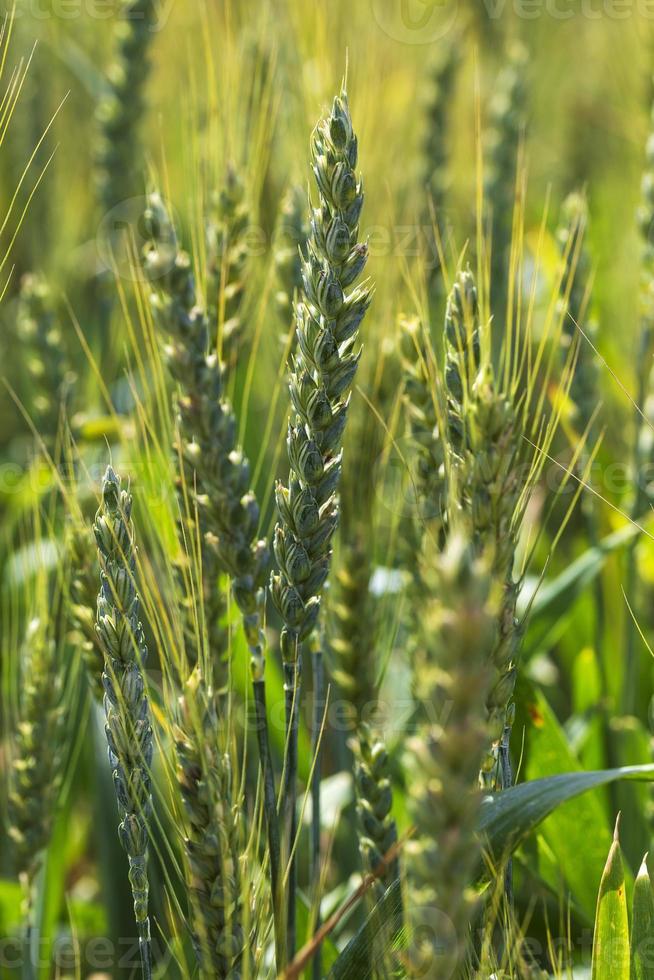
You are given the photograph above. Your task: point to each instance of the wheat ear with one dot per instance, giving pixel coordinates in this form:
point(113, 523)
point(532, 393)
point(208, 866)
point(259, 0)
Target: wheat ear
point(226, 230)
point(37, 756)
point(328, 317)
point(505, 129)
point(451, 671)
point(486, 463)
point(44, 353)
point(213, 842)
point(216, 476)
point(128, 729)
point(118, 161)
point(291, 235)
point(216, 472)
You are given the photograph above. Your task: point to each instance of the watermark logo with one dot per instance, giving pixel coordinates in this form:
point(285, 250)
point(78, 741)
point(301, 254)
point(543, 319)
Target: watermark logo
point(416, 21)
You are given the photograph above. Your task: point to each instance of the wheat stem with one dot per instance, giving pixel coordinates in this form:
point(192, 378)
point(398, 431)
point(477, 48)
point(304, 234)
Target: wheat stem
point(272, 822)
point(316, 751)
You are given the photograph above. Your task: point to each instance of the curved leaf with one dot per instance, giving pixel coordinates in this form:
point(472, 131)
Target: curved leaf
point(507, 818)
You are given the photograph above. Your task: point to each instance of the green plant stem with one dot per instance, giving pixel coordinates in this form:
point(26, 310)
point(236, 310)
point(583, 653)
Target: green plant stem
point(272, 821)
point(316, 750)
point(292, 686)
point(28, 972)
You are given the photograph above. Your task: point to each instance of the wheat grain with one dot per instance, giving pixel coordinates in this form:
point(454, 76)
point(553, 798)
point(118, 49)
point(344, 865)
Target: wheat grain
point(128, 729)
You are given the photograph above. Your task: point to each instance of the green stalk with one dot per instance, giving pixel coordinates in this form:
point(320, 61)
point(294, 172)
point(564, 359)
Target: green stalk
point(272, 822)
point(292, 678)
point(318, 708)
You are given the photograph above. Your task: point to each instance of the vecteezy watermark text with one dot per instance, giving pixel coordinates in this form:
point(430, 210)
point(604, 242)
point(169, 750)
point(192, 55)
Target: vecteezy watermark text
point(42, 10)
point(428, 21)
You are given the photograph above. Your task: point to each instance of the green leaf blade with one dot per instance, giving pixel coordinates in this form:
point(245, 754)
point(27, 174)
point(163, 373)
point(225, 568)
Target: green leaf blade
point(611, 959)
point(642, 927)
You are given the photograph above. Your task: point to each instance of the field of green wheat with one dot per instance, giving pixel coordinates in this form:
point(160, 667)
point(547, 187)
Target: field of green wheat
point(326, 489)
